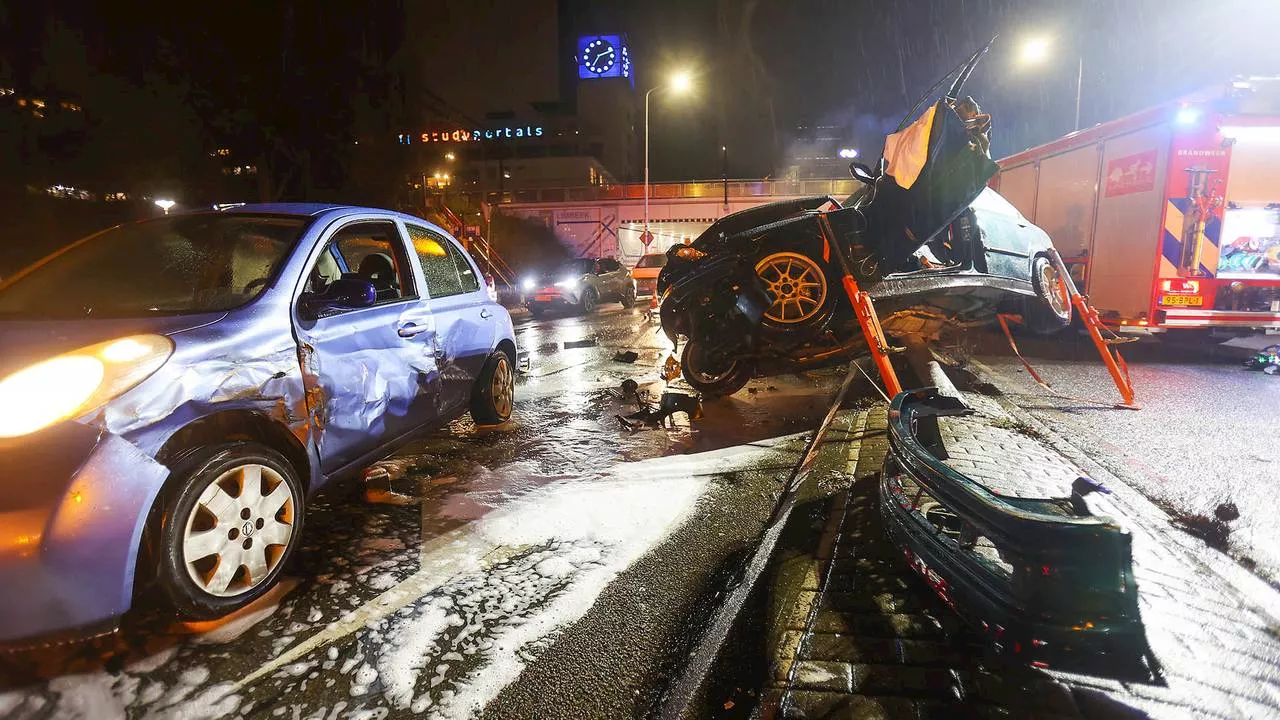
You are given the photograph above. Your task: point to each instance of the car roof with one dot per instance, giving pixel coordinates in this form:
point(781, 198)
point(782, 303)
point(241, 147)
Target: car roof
point(315, 209)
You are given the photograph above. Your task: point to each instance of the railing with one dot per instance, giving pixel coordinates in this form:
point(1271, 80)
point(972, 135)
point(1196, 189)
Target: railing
point(709, 190)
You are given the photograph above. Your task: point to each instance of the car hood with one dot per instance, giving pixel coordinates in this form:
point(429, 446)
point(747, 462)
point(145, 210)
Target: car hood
point(23, 342)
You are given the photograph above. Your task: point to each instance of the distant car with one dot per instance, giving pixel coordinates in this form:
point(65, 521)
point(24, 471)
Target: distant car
point(174, 391)
point(582, 284)
point(646, 271)
point(1267, 360)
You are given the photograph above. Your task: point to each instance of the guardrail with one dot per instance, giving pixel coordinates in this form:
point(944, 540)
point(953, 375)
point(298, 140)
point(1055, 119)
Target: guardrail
point(1041, 579)
point(710, 190)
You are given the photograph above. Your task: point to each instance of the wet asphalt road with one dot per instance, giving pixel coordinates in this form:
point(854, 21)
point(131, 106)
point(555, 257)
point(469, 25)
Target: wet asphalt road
point(546, 568)
point(1208, 431)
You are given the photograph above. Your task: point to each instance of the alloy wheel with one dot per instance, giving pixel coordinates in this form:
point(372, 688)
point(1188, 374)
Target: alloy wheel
point(503, 387)
point(238, 531)
point(796, 284)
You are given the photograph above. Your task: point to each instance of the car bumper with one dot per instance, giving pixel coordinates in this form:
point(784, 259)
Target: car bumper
point(73, 505)
point(553, 296)
point(646, 286)
point(1041, 583)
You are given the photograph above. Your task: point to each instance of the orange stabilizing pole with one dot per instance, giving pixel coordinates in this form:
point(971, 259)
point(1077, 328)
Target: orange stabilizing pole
point(1110, 357)
point(866, 313)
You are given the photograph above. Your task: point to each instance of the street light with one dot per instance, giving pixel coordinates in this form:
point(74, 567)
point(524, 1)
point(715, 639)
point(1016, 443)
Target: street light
point(680, 83)
point(450, 156)
point(164, 204)
point(1036, 50)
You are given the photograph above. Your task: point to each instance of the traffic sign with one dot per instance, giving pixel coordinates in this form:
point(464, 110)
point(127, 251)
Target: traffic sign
point(646, 237)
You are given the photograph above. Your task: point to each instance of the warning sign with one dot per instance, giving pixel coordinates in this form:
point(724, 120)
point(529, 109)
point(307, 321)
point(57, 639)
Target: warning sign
point(646, 238)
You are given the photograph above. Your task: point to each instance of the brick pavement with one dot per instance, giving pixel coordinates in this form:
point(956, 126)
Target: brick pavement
point(871, 640)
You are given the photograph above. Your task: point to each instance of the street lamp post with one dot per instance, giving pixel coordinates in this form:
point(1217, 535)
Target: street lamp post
point(680, 82)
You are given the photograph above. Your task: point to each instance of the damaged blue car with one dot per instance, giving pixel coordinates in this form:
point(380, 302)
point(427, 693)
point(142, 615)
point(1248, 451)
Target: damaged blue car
point(173, 391)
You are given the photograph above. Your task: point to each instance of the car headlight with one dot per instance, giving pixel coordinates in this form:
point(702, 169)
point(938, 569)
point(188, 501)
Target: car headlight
point(568, 283)
point(75, 383)
point(528, 284)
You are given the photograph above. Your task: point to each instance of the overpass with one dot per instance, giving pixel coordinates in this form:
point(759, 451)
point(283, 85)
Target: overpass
point(609, 220)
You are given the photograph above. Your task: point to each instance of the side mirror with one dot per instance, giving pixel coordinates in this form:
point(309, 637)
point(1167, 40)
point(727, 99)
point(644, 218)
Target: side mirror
point(861, 173)
point(343, 293)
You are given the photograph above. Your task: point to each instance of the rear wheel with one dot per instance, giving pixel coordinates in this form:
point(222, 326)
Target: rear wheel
point(1050, 311)
point(227, 528)
point(494, 393)
point(628, 295)
point(714, 374)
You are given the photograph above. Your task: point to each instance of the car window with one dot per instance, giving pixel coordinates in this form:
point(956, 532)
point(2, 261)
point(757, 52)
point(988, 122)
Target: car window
point(652, 261)
point(438, 267)
point(466, 274)
point(610, 265)
point(369, 251)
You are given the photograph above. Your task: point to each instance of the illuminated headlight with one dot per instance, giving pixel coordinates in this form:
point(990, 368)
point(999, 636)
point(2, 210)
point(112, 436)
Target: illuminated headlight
point(568, 283)
point(75, 383)
point(528, 284)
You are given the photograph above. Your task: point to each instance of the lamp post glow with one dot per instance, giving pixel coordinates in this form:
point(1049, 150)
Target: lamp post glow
point(1036, 50)
point(681, 82)
point(164, 204)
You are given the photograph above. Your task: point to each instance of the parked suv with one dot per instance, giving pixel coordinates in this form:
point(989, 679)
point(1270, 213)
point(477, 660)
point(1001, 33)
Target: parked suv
point(582, 283)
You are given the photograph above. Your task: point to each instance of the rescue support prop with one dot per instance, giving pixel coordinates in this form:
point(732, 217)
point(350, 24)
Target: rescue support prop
point(865, 311)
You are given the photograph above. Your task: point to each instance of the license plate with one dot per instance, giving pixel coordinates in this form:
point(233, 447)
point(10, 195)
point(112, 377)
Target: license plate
point(1195, 300)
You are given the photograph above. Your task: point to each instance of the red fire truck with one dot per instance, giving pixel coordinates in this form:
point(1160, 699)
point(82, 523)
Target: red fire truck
point(1169, 218)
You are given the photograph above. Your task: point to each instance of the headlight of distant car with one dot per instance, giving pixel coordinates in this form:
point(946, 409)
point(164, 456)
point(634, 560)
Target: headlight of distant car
point(568, 283)
point(74, 383)
point(528, 284)
point(690, 253)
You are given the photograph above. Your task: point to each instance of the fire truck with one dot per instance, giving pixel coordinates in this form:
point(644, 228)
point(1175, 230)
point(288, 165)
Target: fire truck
point(1168, 218)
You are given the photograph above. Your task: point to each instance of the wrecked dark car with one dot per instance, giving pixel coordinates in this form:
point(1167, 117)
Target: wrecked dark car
point(174, 390)
point(770, 289)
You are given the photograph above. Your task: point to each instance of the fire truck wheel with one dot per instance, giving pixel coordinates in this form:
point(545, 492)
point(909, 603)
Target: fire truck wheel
point(1050, 310)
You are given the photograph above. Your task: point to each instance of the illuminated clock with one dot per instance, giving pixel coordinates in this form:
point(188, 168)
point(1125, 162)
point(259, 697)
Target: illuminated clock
point(599, 56)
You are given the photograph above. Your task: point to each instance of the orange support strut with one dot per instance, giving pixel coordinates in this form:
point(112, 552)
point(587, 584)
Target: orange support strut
point(865, 311)
point(1111, 358)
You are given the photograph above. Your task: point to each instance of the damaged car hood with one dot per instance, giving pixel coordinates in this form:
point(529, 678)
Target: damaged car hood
point(23, 342)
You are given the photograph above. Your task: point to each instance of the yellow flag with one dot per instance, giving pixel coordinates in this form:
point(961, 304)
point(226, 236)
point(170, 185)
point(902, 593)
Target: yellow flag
point(908, 150)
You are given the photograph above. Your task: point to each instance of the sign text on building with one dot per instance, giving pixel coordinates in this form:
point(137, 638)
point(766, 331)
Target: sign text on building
point(462, 136)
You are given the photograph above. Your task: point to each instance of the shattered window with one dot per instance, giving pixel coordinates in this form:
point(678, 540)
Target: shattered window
point(438, 267)
point(182, 264)
point(470, 283)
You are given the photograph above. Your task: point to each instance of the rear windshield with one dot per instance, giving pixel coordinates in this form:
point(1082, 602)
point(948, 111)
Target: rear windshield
point(652, 261)
point(172, 265)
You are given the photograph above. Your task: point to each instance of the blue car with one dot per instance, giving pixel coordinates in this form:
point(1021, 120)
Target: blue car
point(173, 391)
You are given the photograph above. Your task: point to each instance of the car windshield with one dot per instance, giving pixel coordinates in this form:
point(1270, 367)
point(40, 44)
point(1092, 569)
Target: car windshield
point(173, 265)
point(581, 266)
point(652, 261)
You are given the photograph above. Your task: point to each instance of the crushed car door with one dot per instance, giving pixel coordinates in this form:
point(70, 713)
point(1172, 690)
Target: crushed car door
point(466, 324)
point(370, 372)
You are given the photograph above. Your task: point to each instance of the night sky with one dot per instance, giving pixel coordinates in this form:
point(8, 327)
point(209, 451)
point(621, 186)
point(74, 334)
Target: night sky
point(764, 67)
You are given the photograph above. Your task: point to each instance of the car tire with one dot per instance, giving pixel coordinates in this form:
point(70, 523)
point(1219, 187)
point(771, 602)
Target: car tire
point(628, 295)
point(589, 301)
point(201, 531)
point(493, 395)
point(713, 382)
point(1049, 312)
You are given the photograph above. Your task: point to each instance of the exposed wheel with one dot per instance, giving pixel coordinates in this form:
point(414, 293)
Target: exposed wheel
point(227, 527)
point(797, 285)
point(1050, 311)
point(589, 301)
point(494, 393)
point(628, 295)
point(713, 374)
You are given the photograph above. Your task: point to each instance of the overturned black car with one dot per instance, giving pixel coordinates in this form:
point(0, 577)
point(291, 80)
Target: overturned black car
point(766, 290)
